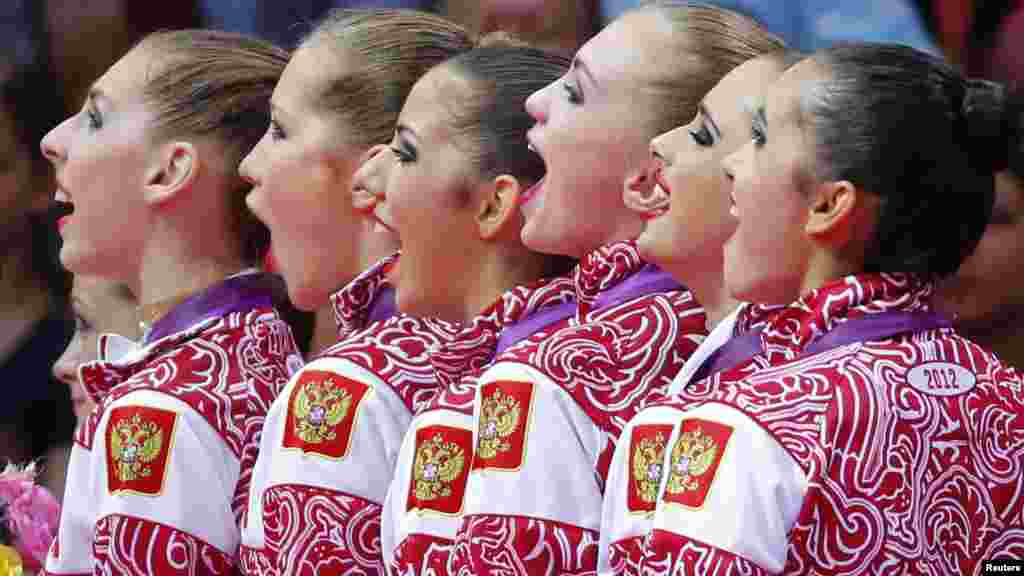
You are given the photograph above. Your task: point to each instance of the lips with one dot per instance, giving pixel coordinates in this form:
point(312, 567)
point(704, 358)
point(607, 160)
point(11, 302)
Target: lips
point(61, 210)
point(530, 192)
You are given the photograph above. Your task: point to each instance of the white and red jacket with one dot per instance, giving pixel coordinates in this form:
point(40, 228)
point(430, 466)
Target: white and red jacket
point(850, 453)
point(155, 482)
point(332, 437)
point(424, 505)
point(635, 474)
point(547, 416)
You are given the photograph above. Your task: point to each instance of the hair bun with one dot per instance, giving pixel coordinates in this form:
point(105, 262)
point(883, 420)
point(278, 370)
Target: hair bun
point(499, 39)
point(984, 115)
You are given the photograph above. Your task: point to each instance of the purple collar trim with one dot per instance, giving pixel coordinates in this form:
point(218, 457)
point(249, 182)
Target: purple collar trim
point(383, 305)
point(532, 324)
point(236, 294)
point(864, 329)
point(647, 280)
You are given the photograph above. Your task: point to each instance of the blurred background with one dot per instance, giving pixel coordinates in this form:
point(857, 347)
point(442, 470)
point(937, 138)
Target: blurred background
point(52, 50)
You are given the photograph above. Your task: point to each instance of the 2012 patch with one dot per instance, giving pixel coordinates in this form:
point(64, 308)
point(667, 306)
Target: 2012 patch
point(504, 425)
point(322, 413)
point(693, 465)
point(440, 469)
point(139, 441)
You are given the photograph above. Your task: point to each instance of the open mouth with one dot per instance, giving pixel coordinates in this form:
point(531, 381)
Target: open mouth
point(60, 210)
point(532, 191)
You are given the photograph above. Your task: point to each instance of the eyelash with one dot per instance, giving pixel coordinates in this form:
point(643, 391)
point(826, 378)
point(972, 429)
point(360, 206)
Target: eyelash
point(276, 133)
point(402, 156)
point(95, 120)
point(572, 93)
point(703, 136)
point(758, 136)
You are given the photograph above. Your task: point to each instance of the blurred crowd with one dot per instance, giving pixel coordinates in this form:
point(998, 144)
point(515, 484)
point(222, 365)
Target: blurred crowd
point(53, 49)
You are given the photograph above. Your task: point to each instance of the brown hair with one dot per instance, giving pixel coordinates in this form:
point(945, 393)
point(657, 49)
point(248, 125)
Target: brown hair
point(490, 116)
point(709, 42)
point(216, 84)
point(501, 73)
point(393, 48)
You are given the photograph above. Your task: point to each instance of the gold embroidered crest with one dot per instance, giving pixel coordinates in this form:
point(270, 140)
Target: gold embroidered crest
point(318, 409)
point(438, 464)
point(498, 420)
point(692, 456)
point(648, 459)
point(134, 444)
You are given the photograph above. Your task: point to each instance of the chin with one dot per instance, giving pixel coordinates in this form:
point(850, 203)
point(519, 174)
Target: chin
point(304, 297)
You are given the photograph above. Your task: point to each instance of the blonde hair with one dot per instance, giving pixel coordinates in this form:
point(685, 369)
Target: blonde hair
point(392, 48)
point(216, 84)
point(710, 42)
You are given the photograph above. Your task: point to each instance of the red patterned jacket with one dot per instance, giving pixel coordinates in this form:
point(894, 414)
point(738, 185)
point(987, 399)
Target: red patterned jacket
point(424, 505)
point(155, 485)
point(636, 471)
point(897, 455)
point(331, 439)
point(548, 414)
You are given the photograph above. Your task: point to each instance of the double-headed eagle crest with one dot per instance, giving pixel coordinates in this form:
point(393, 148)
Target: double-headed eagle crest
point(133, 445)
point(692, 456)
point(438, 464)
point(498, 420)
point(648, 458)
point(319, 407)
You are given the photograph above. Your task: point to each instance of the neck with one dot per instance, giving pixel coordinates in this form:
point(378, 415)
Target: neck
point(825, 268)
point(499, 272)
point(629, 227)
point(713, 296)
point(166, 278)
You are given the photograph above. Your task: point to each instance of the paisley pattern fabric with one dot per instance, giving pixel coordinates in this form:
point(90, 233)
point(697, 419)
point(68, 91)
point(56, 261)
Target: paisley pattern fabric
point(903, 455)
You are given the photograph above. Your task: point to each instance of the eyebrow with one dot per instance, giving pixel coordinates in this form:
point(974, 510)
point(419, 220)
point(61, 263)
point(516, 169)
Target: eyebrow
point(707, 116)
point(579, 64)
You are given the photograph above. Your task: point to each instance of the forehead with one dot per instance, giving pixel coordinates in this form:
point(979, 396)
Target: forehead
point(308, 71)
point(745, 84)
point(628, 48)
point(429, 106)
point(126, 78)
point(784, 98)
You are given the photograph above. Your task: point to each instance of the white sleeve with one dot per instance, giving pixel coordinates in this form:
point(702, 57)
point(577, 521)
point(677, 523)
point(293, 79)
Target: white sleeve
point(729, 485)
point(631, 491)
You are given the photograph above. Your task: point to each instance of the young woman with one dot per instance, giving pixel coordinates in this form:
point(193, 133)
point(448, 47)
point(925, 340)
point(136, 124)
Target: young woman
point(686, 237)
point(468, 117)
point(986, 297)
point(334, 431)
point(879, 440)
point(100, 307)
point(549, 414)
point(149, 168)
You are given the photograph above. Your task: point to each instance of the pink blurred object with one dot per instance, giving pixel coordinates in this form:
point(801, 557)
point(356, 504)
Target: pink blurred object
point(30, 513)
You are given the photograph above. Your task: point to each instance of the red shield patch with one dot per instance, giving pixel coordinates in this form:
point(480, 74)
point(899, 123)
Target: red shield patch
point(322, 412)
point(646, 461)
point(694, 461)
point(139, 440)
point(440, 469)
point(503, 426)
